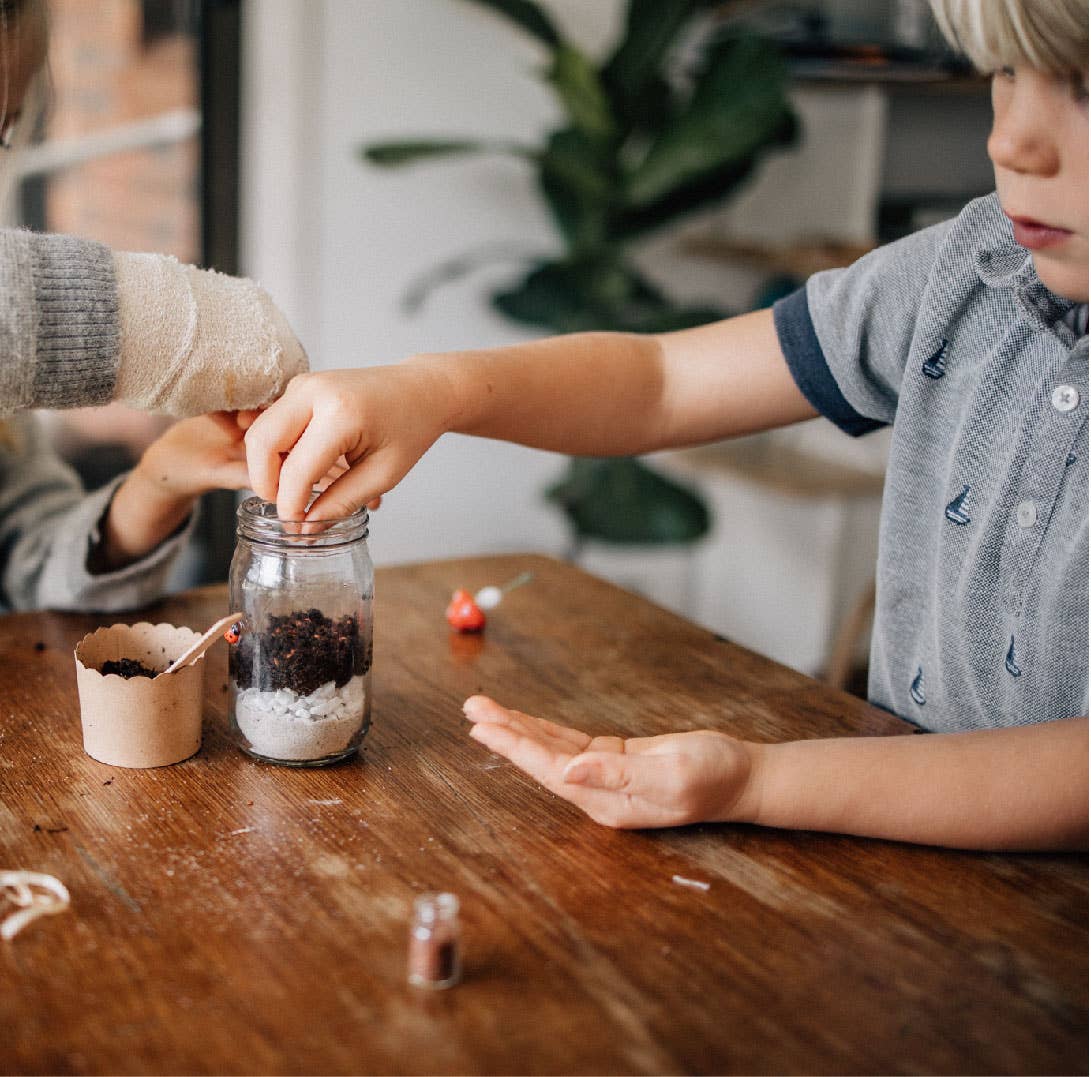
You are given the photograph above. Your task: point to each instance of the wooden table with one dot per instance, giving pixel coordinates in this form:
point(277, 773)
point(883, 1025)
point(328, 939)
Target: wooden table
point(232, 917)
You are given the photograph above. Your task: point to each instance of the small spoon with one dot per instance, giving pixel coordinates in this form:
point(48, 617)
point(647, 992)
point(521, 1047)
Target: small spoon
point(187, 658)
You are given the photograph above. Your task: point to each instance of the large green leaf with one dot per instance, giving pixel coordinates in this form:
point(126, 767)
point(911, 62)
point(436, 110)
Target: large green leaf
point(737, 107)
point(650, 29)
point(577, 84)
point(568, 296)
point(574, 176)
point(710, 188)
point(635, 75)
point(621, 500)
point(526, 15)
point(398, 152)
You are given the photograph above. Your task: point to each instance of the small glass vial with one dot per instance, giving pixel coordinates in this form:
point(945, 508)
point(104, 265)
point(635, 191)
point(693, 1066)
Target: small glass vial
point(300, 669)
point(435, 958)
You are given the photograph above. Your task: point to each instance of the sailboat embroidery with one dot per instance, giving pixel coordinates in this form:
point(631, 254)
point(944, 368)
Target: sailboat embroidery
point(915, 687)
point(955, 512)
point(1009, 661)
point(935, 366)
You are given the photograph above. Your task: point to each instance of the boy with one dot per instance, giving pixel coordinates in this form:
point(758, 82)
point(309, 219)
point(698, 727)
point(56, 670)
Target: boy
point(970, 338)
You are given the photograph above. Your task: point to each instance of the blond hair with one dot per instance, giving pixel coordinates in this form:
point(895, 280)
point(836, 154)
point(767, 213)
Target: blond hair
point(1049, 35)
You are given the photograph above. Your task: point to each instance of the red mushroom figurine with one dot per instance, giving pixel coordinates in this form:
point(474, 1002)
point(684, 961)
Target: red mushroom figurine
point(464, 614)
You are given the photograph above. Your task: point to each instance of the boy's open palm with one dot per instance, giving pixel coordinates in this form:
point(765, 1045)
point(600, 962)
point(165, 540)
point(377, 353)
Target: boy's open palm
point(669, 780)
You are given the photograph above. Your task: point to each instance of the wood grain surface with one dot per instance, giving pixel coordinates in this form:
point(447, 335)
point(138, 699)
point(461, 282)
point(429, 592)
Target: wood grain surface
point(233, 917)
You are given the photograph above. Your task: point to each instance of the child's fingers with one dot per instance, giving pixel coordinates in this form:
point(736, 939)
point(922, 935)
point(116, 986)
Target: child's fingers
point(225, 420)
point(539, 731)
point(232, 476)
point(334, 473)
point(484, 709)
point(603, 770)
point(245, 419)
point(618, 809)
point(615, 807)
point(637, 790)
point(364, 482)
point(543, 764)
point(274, 432)
point(310, 458)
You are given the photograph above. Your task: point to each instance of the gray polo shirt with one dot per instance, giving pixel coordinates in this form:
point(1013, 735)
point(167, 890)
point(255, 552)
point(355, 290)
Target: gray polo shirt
point(982, 581)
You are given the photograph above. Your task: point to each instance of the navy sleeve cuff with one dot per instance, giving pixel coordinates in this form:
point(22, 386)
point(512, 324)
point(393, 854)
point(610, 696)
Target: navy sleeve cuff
point(808, 365)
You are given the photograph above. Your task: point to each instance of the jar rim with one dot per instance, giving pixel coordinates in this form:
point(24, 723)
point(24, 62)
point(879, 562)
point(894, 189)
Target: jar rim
point(257, 519)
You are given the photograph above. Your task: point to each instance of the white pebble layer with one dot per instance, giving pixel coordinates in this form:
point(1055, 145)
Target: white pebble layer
point(283, 725)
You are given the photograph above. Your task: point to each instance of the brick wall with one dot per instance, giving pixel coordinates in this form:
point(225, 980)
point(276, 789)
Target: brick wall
point(104, 74)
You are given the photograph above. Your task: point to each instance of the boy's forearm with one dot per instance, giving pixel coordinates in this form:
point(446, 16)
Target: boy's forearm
point(585, 394)
point(604, 394)
point(1023, 787)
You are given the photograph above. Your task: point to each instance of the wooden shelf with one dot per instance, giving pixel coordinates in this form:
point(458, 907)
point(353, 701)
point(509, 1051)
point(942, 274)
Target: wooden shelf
point(782, 469)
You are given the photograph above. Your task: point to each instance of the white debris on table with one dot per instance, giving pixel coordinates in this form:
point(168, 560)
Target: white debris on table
point(695, 884)
point(35, 893)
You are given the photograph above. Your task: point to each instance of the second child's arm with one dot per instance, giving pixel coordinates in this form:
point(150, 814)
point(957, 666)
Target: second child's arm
point(592, 394)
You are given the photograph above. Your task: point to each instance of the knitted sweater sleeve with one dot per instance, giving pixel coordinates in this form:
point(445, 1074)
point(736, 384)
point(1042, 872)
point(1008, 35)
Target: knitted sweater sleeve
point(81, 325)
point(58, 322)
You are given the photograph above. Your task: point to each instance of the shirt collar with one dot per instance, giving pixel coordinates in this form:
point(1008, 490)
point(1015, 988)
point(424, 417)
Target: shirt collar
point(1002, 263)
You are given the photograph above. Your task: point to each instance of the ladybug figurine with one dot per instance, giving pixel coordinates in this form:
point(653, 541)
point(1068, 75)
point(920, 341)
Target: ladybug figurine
point(464, 614)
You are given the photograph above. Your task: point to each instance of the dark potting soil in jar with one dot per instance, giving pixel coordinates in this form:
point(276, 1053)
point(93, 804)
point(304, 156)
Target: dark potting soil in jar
point(127, 668)
point(302, 651)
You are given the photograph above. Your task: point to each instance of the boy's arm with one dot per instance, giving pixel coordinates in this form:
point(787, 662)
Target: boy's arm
point(1023, 787)
point(598, 394)
point(594, 394)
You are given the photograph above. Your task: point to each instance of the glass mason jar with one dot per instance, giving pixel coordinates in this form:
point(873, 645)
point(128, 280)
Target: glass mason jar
point(301, 667)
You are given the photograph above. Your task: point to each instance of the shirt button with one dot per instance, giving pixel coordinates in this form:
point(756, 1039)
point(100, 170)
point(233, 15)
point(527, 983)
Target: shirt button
point(1026, 514)
point(1065, 397)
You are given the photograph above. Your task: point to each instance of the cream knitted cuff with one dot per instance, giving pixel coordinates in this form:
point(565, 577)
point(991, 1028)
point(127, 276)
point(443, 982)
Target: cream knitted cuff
point(194, 340)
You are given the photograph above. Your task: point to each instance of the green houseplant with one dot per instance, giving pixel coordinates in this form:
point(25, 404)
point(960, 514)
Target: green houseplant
point(645, 140)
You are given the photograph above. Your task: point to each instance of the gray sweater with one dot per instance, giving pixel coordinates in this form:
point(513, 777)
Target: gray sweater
point(59, 348)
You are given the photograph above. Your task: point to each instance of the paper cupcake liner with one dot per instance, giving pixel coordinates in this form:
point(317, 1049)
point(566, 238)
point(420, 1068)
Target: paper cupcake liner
point(140, 721)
